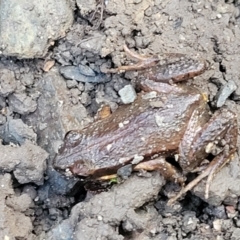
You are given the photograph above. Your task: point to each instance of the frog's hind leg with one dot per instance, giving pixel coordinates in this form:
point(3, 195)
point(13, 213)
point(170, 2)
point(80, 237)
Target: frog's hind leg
point(210, 171)
point(221, 128)
point(143, 62)
point(134, 55)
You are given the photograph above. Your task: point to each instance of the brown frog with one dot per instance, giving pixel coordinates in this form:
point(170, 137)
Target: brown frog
point(165, 120)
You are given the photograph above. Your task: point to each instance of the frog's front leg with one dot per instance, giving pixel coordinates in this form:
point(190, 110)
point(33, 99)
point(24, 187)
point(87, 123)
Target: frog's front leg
point(168, 171)
point(170, 67)
point(221, 131)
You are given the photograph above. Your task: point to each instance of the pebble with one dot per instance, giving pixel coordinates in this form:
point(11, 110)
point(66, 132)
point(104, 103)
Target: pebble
point(81, 86)
point(83, 73)
point(127, 94)
point(224, 92)
point(3, 119)
point(71, 83)
point(89, 87)
point(236, 233)
point(217, 223)
point(16, 131)
point(125, 171)
point(85, 99)
point(190, 222)
point(30, 190)
point(21, 103)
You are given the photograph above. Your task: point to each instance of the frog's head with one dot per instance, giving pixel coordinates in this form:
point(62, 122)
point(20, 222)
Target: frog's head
point(69, 158)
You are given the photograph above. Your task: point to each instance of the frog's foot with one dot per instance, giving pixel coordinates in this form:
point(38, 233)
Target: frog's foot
point(143, 62)
point(209, 172)
point(168, 171)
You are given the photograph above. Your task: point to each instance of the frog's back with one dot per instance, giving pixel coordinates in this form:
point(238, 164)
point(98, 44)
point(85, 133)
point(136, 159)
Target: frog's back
point(147, 127)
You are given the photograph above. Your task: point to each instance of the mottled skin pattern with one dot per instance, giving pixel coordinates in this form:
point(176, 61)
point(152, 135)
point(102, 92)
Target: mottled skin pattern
point(171, 120)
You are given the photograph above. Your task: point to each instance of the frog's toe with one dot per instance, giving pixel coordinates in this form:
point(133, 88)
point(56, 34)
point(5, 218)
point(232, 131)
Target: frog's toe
point(217, 163)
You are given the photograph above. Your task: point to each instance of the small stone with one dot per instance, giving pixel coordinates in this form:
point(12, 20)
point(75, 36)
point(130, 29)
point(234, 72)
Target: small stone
point(217, 224)
point(189, 222)
point(125, 171)
point(83, 73)
point(19, 203)
point(127, 94)
point(89, 87)
point(27, 79)
point(236, 233)
point(21, 103)
point(31, 191)
point(224, 92)
point(3, 119)
point(71, 83)
point(231, 212)
point(16, 131)
point(74, 92)
point(81, 87)
point(85, 99)
point(7, 82)
point(54, 213)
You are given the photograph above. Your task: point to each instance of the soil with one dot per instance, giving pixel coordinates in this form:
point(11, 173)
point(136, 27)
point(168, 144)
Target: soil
point(53, 54)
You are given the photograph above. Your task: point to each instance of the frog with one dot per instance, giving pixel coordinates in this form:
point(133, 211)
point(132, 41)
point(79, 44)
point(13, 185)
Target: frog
point(167, 120)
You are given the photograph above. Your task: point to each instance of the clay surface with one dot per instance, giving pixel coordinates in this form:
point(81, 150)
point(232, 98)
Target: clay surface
point(51, 81)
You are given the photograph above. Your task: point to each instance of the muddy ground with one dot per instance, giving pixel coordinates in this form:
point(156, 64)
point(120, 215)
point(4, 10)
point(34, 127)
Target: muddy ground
point(52, 54)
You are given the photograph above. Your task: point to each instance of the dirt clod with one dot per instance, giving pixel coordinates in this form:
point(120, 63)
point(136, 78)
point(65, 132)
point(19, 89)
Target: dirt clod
point(53, 55)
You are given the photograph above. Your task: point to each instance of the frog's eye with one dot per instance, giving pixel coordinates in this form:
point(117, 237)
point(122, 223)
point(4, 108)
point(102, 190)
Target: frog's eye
point(71, 138)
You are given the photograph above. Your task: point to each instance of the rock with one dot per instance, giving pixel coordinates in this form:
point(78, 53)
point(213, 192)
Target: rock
point(125, 171)
point(88, 87)
point(13, 224)
point(27, 162)
point(104, 218)
point(224, 92)
point(235, 234)
point(127, 94)
point(86, 7)
point(83, 74)
point(90, 228)
point(16, 131)
point(30, 27)
point(190, 222)
point(30, 191)
point(85, 99)
point(3, 119)
point(27, 79)
point(19, 203)
point(54, 117)
point(93, 44)
point(71, 83)
point(7, 82)
point(21, 103)
point(216, 212)
point(2, 102)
